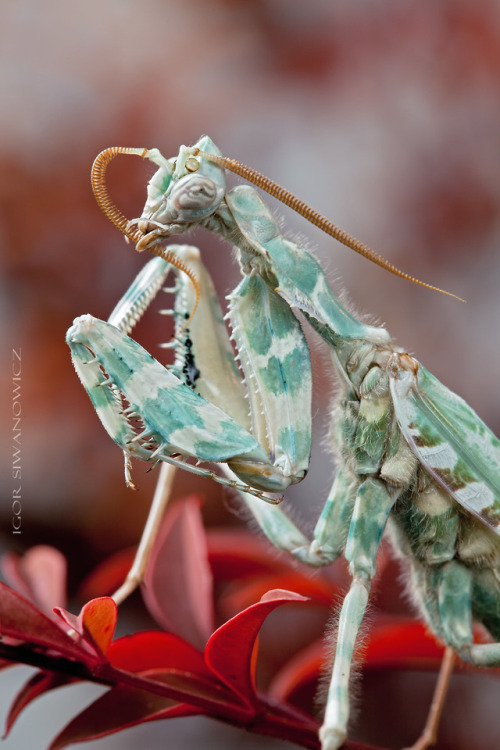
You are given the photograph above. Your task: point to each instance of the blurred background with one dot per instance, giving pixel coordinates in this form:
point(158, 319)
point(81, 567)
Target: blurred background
point(383, 116)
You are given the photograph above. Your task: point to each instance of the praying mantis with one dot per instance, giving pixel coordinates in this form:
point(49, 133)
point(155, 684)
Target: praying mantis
point(414, 459)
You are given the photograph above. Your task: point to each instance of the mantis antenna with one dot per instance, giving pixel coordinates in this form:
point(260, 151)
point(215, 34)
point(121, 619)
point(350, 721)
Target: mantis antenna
point(290, 200)
point(98, 180)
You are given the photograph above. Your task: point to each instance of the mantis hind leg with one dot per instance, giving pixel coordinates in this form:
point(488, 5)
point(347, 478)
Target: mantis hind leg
point(331, 531)
point(371, 510)
point(429, 735)
point(453, 592)
point(485, 597)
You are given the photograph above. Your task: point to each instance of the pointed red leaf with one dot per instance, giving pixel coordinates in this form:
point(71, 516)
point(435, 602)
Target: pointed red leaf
point(118, 709)
point(40, 683)
point(95, 624)
point(229, 651)
point(21, 620)
point(98, 619)
point(177, 588)
point(155, 649)
point(39, 574)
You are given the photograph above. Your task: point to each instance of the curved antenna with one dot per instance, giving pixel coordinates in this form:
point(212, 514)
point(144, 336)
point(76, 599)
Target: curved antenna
point(174, 260)
point(113, 213)
point(302, 208)
point(100, 190)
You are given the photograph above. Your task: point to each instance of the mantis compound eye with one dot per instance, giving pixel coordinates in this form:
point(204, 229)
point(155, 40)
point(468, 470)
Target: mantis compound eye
point(195, 197)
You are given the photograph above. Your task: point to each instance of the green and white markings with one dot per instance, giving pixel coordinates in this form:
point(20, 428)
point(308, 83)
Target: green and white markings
point(177, 422)
point(449, 438)
point(175, 417)
point(126, 383)
point(297, 275)
point(140, 294)
point(412, 455)
point(271, 396)
point(274, 358)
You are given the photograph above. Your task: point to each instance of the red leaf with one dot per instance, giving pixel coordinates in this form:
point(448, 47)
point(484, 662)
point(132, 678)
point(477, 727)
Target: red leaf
point(118, 709)
point(107, 576)
point(303, 669)
point(21, 620)
point(402, 645)
point(39, 684)
point(39, 574)
point(98, 619)
point(208, 694)
point(174, 661)
point(155, 649)
point(237, 553)
point(95, 624)
point(229, 651)
point(242, 594)
point(177, 588)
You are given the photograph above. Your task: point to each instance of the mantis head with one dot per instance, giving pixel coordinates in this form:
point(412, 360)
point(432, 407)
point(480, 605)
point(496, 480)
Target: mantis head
point(184, 190)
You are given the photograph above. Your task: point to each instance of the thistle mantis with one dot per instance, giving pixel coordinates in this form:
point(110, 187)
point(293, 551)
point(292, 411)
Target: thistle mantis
point(415, 459)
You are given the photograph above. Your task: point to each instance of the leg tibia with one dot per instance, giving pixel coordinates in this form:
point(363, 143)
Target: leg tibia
point(334, 729)
point(139, 295)
point(275, 525)
point(275, 361)
point(369, 518)
point(331, 530)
